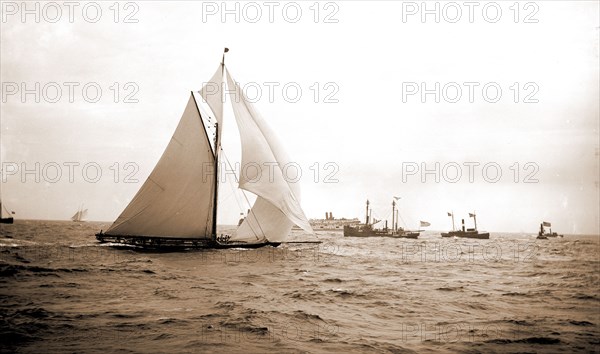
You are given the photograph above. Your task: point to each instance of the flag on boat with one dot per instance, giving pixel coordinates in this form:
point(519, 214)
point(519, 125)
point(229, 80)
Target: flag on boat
point(449, 214)
point(547, 224)
point(471, 215)
point(396, 198)
point(425, 224)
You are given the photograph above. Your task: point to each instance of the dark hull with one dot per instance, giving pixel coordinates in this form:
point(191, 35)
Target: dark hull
point(546, 235)
point(327, 229)
point(467, 234)
point(350, 231)
point(366, 234)
point(404, 234)
point(6, 220)
point(174, 244)
point(408, 235)
point(296, 228)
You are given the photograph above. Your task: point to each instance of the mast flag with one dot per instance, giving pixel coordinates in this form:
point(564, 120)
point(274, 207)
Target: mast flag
point(224, 51)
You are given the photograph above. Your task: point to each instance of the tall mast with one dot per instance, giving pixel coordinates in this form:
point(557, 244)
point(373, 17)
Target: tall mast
point(393, 215)
point(217, 150)
point(225, 50)
point(453, 227)
point(475, 220)
point(215, 196)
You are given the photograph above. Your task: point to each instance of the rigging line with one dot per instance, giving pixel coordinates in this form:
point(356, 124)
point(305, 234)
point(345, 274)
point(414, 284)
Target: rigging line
point(247, 201)
point(115, 225)
point(403, 222)
point(211, 227)
point(249, 206)
point(400, 216)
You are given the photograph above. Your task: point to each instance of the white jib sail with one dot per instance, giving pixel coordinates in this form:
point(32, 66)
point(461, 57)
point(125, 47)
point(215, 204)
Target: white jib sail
point(277, 206)
point(177, 198)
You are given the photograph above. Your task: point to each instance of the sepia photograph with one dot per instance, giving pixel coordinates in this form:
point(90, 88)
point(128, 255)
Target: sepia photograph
point(305, 176)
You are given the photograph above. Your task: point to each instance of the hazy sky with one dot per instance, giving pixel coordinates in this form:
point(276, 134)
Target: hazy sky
point(364, 59)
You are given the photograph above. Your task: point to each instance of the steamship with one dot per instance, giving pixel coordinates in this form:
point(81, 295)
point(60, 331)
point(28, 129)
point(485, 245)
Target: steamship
point(543, 234)
point(368, 230)
point(466, 233)
point(330, 223)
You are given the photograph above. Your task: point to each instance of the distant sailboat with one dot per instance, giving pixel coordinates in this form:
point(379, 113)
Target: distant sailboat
point(5, 215)
point(177, 205)
point(80, 215)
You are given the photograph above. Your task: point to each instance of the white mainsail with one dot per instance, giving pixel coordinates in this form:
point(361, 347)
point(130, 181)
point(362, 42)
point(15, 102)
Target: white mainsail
point(277, 207)
point(177, 198)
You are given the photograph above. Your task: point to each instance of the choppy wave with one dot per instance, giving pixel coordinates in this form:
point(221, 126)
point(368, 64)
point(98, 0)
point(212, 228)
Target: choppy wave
point(60, 291)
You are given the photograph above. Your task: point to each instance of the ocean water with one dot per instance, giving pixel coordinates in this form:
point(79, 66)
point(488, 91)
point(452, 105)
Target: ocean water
point(61, 291)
